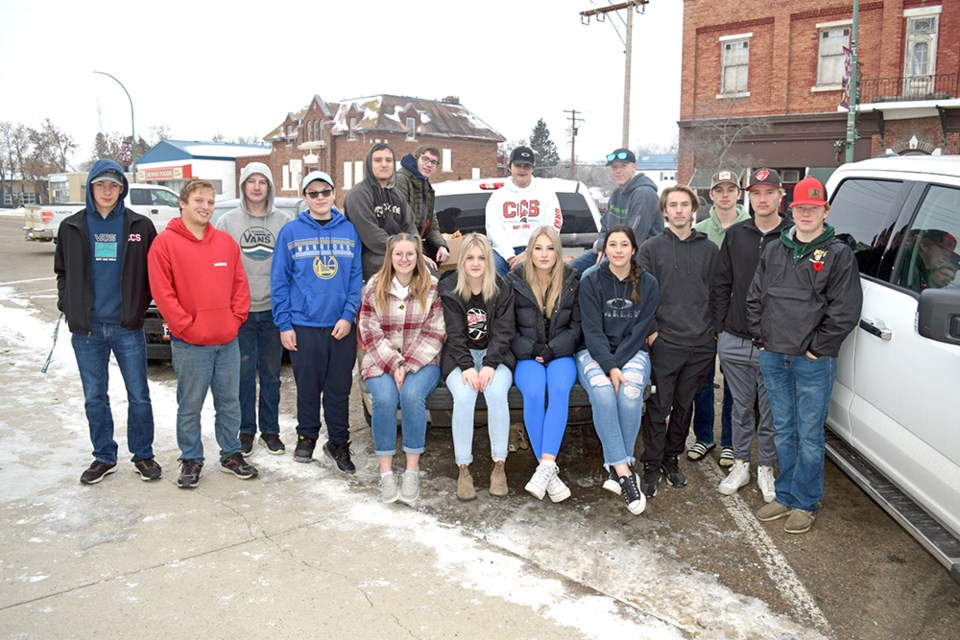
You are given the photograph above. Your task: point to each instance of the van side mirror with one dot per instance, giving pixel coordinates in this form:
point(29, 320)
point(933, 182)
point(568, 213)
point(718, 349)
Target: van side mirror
point(938, 317)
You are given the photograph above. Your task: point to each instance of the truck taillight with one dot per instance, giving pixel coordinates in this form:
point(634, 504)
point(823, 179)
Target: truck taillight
point(490, 186)
point(46, 216)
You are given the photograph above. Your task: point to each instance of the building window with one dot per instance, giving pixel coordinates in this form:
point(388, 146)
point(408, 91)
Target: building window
point(920, 56)
point(446, 162)
point(411, 128)
point(353, 129)
point(347, 175)
point(830, 59)
point(734, 66)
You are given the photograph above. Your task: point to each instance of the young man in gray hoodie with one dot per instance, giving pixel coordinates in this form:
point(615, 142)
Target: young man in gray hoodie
point(634, 203)
point(255, 225)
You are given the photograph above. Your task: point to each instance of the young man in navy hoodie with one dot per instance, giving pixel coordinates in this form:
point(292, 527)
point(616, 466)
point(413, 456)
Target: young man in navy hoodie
point(315, 285)
point(201, 290)
point(683, 343)
point(102, 289)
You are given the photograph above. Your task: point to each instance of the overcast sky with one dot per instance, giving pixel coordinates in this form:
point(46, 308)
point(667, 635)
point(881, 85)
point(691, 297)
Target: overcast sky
point(203, 68)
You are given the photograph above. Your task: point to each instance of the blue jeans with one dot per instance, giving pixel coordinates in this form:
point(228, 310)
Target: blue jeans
point(413, 411)
point(584, 261)
point(616, 417)
point(93, 360)
point(798, 390)
point(703, 413)
point(537, 383)
point(498, 410)
point(500, 263)
point(260, 350)
point(199, 369)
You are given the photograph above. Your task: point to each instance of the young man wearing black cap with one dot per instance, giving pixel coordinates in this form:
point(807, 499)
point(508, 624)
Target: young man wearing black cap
point(725, 212)
point(634, 203)
point(103, 291)
point(804, 300)
point(516, 209)
point(739, 358)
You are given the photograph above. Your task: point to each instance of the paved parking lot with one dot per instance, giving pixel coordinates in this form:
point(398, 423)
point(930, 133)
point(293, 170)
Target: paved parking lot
point(305, 546)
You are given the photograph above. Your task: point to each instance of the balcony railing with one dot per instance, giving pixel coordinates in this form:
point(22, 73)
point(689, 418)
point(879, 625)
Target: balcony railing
point(908, 89)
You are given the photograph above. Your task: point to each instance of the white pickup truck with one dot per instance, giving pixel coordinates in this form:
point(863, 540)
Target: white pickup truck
point(160, 204)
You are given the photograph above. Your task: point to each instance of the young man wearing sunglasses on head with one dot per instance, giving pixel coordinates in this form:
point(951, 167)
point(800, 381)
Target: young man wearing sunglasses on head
point(315, 285)
point(635, 202)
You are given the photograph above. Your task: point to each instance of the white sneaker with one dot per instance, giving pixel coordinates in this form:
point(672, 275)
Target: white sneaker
point(766, 484)
point(739, 476)
point(556, 489)
point(537, 486)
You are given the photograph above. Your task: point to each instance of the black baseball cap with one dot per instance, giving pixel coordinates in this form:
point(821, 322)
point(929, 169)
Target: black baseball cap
point(522, 155)
point(620, 155)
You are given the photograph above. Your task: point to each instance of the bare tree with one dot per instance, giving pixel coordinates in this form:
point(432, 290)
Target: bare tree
point(713, 138)
point(18, 147)
point(159, 133)
point(251, 139)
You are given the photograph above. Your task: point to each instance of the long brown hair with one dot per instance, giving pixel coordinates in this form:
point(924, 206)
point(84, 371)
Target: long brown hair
point(419, 280)
point(547, 299)
point(635, 269)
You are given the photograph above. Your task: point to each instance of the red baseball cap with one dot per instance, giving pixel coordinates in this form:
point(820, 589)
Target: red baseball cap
point(809, 191)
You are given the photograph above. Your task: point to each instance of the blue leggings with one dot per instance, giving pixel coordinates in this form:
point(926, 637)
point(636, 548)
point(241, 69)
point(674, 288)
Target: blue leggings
point(537, 382)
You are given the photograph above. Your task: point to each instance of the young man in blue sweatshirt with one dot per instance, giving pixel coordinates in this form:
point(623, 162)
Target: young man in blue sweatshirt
point(103, 291)
point(315, 286)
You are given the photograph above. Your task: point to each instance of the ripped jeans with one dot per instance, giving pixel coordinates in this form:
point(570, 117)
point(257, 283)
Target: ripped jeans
point(616, 417)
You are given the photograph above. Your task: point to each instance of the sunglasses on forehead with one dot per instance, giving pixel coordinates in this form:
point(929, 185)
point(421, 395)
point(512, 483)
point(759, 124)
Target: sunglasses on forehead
point(620, 155)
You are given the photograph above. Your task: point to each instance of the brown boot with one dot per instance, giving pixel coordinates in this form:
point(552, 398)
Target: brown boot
point(465, 490)
point(498, 480)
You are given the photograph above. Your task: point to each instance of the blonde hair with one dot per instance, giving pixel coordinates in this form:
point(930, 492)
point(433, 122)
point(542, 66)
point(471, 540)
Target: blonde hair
point(419, 280)
point(547, 300)
point(489, 287)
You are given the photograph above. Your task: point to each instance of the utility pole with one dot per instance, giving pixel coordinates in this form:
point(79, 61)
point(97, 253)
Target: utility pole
point(630, 6)
point(854, 84)
point(573, 141)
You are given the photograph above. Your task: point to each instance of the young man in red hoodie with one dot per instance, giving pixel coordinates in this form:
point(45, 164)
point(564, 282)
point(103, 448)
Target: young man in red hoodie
point(200, 289)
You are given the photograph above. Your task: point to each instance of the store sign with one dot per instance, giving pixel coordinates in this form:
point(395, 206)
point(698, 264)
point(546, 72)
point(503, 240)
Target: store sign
point(158, 174)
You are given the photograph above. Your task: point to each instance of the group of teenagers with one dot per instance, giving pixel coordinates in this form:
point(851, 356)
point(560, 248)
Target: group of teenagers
point(655, 299)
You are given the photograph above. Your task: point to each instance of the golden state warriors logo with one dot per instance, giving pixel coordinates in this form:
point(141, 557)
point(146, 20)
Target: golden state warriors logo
point(325, 267)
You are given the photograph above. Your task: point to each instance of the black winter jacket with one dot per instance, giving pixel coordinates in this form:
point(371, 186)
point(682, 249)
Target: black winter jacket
point(532, 338)
point(500, 321)
point(808, 305)
point(684, 270)
point(739, 255)
point(71, 263)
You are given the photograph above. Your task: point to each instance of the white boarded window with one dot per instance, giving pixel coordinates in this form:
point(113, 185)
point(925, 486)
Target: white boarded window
point(357, 171)
point(447, 160)
point(347, 175)
point(734, 66)
point(830, 59)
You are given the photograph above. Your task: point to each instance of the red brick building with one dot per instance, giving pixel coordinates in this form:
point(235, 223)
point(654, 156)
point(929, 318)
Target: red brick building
point(335, 137)
point(762, 81)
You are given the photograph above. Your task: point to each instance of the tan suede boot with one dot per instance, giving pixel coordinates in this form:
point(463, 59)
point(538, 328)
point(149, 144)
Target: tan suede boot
point(498, 480)
point(465, 490)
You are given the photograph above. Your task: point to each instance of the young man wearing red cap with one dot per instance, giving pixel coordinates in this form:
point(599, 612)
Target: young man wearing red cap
point(739, 359)
point(804, 300)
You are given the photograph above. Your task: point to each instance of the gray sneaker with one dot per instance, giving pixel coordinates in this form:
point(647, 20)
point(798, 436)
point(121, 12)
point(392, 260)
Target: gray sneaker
point(410, 487)
point(389, 491)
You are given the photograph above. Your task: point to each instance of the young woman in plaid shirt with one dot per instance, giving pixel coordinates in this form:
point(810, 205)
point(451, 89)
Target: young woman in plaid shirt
point(401, 328)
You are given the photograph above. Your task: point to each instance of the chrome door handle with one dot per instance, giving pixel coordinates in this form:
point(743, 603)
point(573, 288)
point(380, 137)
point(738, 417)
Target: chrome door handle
point(869, 327)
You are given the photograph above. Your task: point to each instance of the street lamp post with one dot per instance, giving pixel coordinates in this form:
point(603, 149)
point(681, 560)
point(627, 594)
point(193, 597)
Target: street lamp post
point(133, 129)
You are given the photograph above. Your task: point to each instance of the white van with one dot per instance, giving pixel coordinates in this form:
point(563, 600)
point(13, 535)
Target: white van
point(895, 412)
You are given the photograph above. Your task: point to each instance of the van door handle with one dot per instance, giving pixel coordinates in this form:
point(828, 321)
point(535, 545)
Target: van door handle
point(869, 327)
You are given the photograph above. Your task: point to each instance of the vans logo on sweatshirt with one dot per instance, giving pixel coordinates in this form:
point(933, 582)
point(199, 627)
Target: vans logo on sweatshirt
point(257, 243)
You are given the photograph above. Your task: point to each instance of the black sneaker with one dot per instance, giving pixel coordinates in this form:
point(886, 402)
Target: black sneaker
point(650, 479)
point(636, 501)
point(304, 450)
point(671, 471)
point(235, 464)
point(148, 469)
point(246, 443)
point(96, 471)
point(189, 474)
point(273, 443)
point(341, 455)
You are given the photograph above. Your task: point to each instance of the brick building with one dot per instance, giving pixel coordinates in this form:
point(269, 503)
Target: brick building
point(762, 81)
point(335, 137)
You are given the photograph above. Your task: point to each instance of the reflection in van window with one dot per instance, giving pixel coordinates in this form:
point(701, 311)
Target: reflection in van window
point(929, 259)
point(865, 210)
